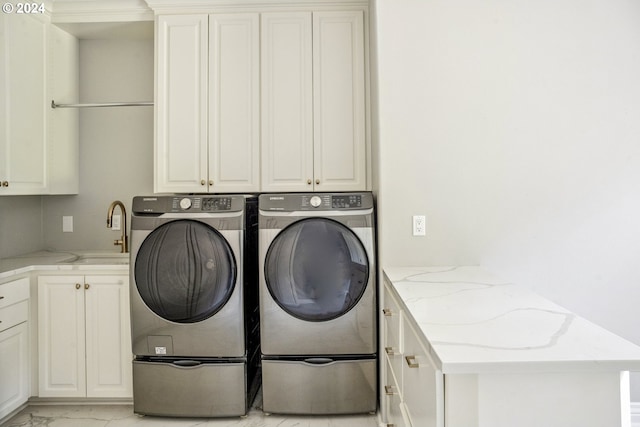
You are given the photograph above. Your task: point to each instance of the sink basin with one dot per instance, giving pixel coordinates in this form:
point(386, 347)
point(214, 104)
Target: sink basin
point(116, 258)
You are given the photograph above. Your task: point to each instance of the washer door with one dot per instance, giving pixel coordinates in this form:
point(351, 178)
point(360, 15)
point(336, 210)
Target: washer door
point(185, 271)
point(316, 269)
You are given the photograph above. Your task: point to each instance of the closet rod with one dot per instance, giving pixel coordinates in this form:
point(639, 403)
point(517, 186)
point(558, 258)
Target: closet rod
point(104, 104)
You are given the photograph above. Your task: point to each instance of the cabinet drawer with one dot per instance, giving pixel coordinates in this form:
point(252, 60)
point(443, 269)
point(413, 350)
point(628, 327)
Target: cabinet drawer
point(392, 332)
point(395, 416)
point(423, 390)
point(13, 292)
point(391, 378)
point(14, 315)
point(391, 319)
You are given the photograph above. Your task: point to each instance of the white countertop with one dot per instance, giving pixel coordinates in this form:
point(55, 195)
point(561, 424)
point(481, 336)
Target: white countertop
point(63, 261)
point(477, 323)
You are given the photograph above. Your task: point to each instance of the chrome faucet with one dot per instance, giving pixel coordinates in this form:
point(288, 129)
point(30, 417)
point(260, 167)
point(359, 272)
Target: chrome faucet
point(124, 240)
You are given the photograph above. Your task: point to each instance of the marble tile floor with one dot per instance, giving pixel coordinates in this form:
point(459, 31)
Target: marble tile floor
point(123, 416)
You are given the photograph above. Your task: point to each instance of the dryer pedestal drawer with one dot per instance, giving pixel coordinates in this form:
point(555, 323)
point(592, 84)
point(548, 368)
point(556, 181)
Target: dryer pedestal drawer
point(338, 387)
point(182, 390)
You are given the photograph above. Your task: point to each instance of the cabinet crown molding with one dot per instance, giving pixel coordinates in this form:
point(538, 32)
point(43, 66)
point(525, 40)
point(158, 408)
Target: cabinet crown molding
point(207, 6)
point(72, 11)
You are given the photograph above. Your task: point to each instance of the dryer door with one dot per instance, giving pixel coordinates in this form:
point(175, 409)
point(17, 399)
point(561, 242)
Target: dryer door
point(316, 269)
point(185, 271)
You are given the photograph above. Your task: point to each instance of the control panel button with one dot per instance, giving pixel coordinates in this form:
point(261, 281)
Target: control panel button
point(185, 203)
point(315, 201)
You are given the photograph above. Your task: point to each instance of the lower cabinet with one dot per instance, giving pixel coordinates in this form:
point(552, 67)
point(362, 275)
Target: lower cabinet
point(84, 336)
point(413, 385)
point(14, 345)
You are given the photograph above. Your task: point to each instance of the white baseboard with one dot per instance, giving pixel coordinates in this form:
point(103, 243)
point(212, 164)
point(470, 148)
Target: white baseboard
point(635, 414)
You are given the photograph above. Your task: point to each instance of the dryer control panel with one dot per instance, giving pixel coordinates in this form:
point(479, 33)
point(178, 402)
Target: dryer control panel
point(315, 201)
point(187, 203)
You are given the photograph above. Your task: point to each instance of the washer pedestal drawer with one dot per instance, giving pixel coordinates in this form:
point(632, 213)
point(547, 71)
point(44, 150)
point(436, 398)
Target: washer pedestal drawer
point(184, 389)
point(319, 387)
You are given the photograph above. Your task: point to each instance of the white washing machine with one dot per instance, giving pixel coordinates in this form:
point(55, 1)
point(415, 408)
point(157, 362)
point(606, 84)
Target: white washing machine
point(318, 303)
point(193, 305)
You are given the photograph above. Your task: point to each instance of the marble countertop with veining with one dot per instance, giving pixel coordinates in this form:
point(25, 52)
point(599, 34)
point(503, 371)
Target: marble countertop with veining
point(476, 322)
point(64, 261)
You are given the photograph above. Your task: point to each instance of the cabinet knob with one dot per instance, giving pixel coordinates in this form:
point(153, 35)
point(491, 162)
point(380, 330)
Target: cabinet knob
point(317, 181)
point(388, 390)
point(202, 182)
point(411, 362)
point(390, 351)
point(78, 285)
point(5, 183)
point(308, 182)
point(1, 297)
point(210, 182)
point(387, 312)
point(86, 286)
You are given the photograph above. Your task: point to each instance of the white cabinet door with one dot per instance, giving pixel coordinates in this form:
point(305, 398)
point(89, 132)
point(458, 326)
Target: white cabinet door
point(71, 308)
point(313, 101)
point(108, 341)
point(23, 104)
point(207, 96)
point(181, 104)
point(287, 104)
point(234, 102)
point(61, 334)
point(14, 368)
point(423, 383)
point(339, 101)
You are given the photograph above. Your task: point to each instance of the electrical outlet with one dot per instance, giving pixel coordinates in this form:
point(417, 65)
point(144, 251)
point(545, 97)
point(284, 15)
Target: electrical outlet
point(67, 224)
point(115, 222)
point(419, 225)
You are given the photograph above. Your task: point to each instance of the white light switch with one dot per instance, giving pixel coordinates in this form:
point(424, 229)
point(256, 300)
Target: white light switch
point(67, 224)
point(115, 222)
point(419, 225)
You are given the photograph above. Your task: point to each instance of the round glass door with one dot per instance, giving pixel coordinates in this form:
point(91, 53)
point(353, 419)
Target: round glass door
point(185, 271)
point(316, 269)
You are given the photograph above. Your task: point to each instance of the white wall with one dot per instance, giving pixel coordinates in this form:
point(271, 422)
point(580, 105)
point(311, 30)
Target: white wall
point(20, 225)
point(116, 144)
point(515, 127)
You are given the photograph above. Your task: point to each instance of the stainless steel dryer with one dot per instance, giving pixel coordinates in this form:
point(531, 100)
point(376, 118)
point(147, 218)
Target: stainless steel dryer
point(193, 304)
point(317, 303)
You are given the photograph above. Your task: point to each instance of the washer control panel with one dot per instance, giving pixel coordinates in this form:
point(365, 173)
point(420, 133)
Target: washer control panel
point(202, 204)
point(187, 203)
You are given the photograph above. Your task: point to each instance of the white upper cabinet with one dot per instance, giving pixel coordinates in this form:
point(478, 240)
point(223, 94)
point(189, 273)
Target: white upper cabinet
point(287, 103)
point(339, 161)
point(181, 103)
point(38, 147)
point(207, 116)
point(23, 103)
point(234, 103)
point(313, 101)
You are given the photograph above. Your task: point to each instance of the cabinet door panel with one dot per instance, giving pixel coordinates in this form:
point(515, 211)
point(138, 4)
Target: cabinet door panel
point(234, 117)
point(61, 336)
point(339, 101)
point(108, 340)
point(181, 103)
point(23, 154)
point(423, 384)
point(392, 333)
point(287, 128)
point(14, 368)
